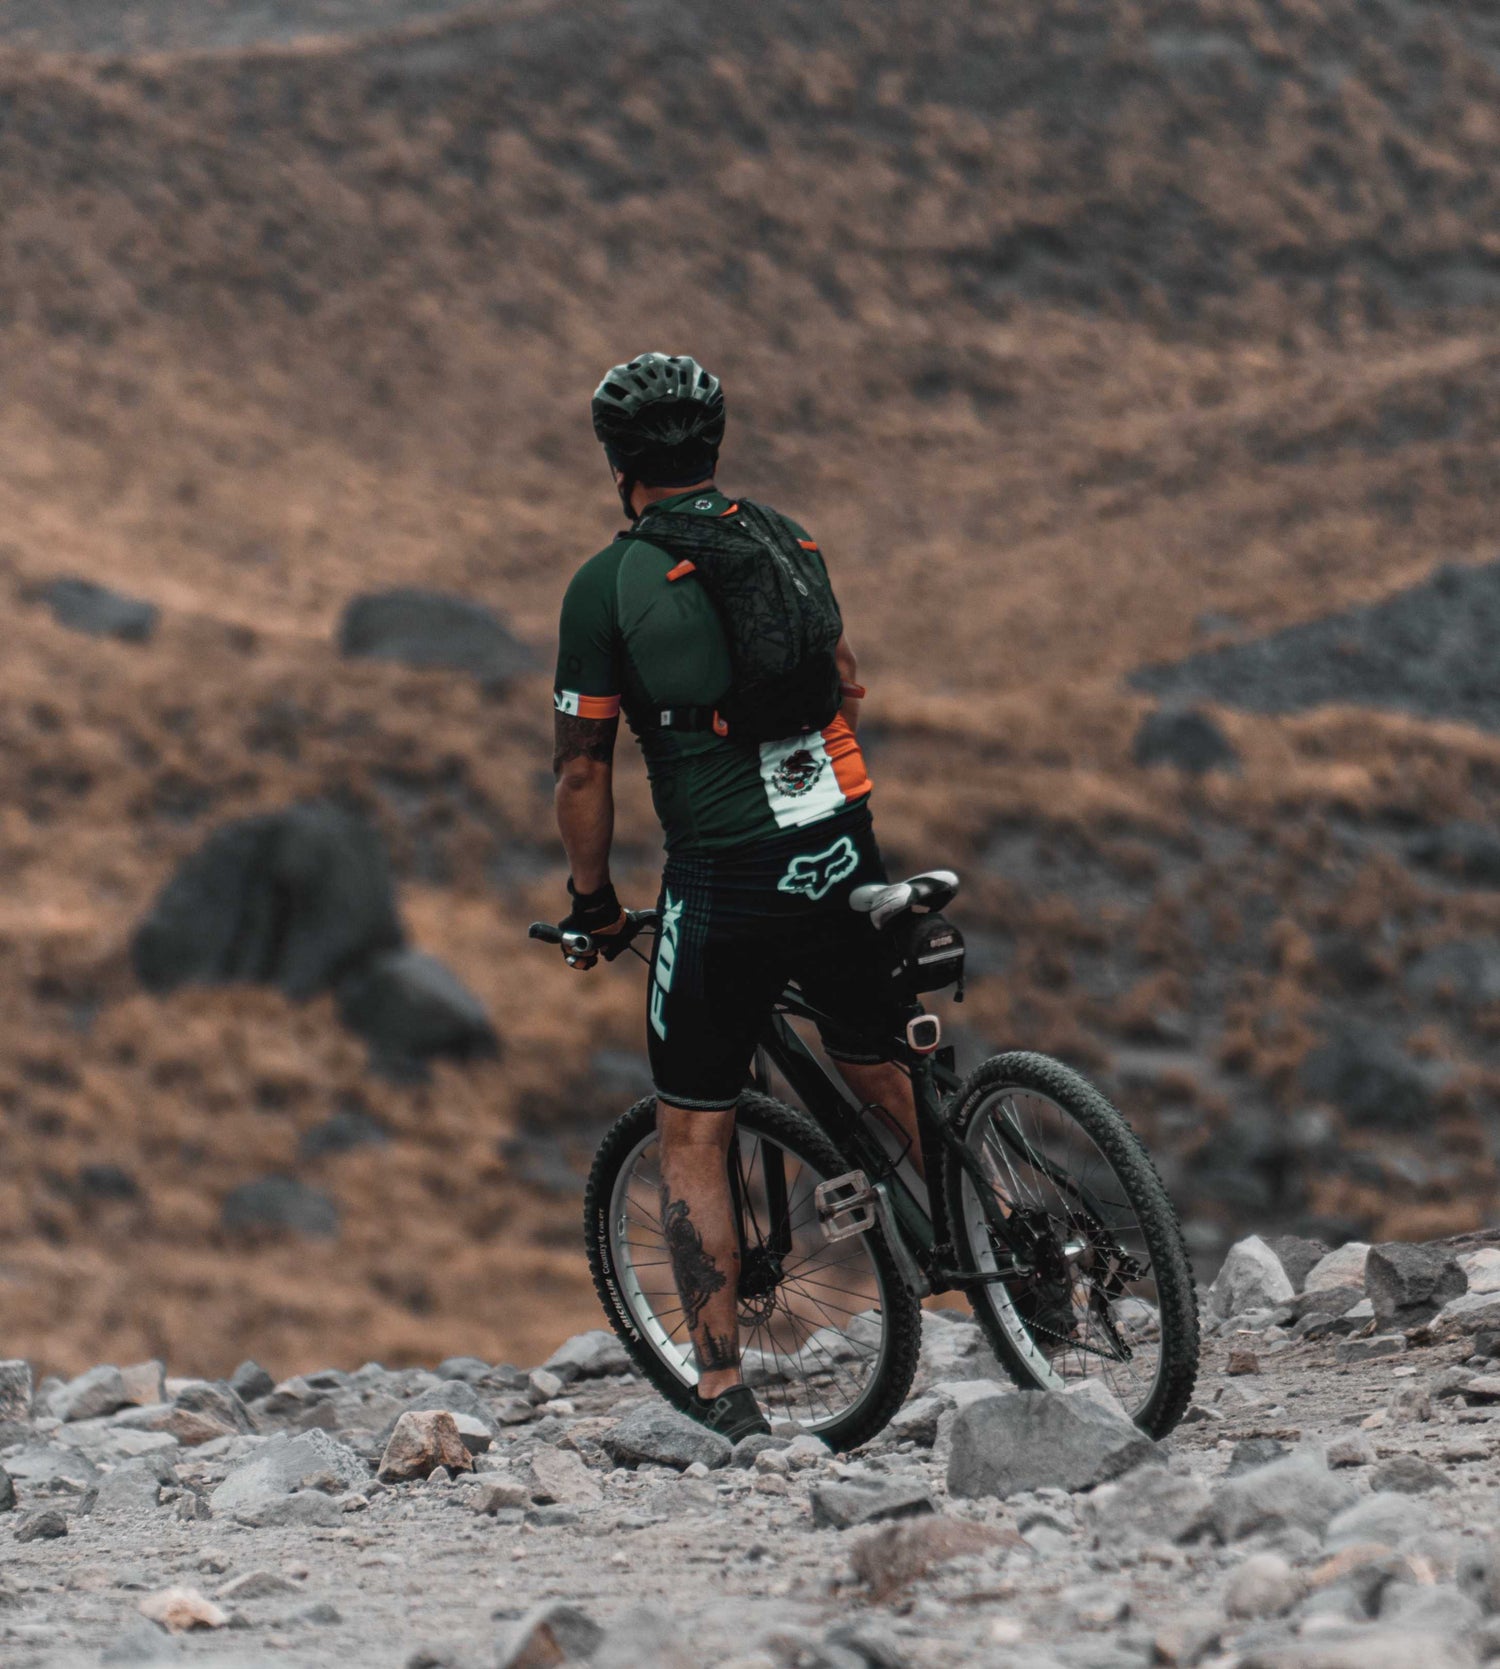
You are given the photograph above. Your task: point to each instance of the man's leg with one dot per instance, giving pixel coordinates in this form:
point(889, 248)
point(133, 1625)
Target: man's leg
point(697, 1216)
point(887, 1086)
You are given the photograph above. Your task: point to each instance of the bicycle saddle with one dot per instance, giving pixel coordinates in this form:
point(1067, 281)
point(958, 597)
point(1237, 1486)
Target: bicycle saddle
point(922, 895)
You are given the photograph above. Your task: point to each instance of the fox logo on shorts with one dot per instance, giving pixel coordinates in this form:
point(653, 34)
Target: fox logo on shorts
point(815, 875)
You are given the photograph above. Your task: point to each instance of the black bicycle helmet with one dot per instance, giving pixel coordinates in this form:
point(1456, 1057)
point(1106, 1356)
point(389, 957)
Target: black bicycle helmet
point(661, 419)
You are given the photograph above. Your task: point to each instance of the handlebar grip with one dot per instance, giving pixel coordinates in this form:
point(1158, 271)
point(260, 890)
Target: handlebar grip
point(546, 932)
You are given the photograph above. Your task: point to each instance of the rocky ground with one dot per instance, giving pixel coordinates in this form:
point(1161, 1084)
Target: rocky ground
point(1329, 1501)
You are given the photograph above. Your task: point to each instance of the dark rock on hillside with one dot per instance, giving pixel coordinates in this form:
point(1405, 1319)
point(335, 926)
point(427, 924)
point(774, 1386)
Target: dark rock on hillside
point(1364, 1073)
point(276, 1205)
point(348, 1128)
point(83, 606)
point(1463, 851)
point(432, 629)
point(408, 1006)
point(1186, 739)
point(1428, 650)
point(293, 898)
point(1467, 973)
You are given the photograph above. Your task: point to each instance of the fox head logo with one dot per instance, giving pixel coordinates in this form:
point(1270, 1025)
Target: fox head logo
point(814, 876)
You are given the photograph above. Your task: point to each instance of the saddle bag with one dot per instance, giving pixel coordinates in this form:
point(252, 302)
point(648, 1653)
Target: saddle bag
point(780, 618)
point(931, 952)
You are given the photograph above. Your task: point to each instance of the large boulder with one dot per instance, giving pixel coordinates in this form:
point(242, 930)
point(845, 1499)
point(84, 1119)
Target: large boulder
point(294, 899)
point(433, 629)
point(408, 1006)
point(1299, 1257)
point(1372, 1081)
point(1409, 1284)
point(85, 606)
point(1030, 1440)
point(1251, 1278)
point(1343, 1267)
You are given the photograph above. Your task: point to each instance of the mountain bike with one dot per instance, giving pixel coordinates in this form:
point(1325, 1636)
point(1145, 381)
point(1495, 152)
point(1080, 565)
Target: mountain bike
point(1040, 1206)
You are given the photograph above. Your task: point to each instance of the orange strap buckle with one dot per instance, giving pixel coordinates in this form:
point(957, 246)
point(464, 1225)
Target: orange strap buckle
point(682, 570)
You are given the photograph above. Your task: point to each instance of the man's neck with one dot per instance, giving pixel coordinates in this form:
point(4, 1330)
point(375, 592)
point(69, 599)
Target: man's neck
point(643, 497)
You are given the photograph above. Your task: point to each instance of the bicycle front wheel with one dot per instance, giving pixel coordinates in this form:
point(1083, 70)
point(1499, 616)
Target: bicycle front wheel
point(1109, 1291)
point(829, 1335)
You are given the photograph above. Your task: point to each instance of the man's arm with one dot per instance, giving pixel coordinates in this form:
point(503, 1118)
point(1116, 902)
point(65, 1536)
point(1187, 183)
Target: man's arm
point(583, 763)
point(848, 676)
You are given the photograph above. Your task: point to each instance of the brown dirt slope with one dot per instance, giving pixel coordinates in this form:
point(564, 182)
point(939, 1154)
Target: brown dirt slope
point(1084, 338)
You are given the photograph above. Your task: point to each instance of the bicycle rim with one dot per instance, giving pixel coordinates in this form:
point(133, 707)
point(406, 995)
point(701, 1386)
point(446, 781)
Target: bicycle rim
point(813, 1334)
point(1090, 1323)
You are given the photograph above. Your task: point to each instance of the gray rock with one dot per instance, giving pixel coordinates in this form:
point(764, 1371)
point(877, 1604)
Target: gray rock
point(1036, 1440)
point(659, 1434)
point(341, 1132)
point(548, 1634)
point(256, 1584)
point(1298, 1257)
point(279, 1205)
point(130, 1491)
point(250, 1380)
point(1435, 1609)
point(1369, 1350)
point(1299, 1492)
point(143, 1642)
point(467, 1368)
point(1343, 1267)
point(7, 1492)
point(1251, 1278)
point(85, 606)
point(1252, 1452)
point(301, 1507)
point(1263, 1586)
point(918, 1420)
point(420, 628)
point(16, 1392)
point(1410, 1284)
point(1184, 738)
point(1466, 851)
point(99, 1391)
point(408, 1007)
point(1386, 1517)
point(1409, 1475)
point(844, 1506)
point(643, 1636)
point(43, 1467)
point(47, 1524)
point(1150, 1504)
point(312, 1460)
point(593, 1355)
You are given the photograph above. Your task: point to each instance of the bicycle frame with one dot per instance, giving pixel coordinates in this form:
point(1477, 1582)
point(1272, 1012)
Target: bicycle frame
point(924, 1227)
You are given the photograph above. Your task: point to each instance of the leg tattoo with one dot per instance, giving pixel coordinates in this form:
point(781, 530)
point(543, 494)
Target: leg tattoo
point(716, 1351)
point(698, 1276)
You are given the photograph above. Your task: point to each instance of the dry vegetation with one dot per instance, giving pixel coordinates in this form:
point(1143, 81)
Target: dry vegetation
point(1081, 335)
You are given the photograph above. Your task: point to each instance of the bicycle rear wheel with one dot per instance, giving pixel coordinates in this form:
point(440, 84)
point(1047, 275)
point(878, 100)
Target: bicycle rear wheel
point(1111, 1295)
point(829, 1335)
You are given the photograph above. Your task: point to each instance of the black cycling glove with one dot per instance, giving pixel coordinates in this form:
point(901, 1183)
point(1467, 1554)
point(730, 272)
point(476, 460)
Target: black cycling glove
point(596, 913)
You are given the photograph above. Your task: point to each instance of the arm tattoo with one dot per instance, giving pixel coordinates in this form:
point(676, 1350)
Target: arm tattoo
point(583, 739)
point(698, 1276)
point(716, 1351)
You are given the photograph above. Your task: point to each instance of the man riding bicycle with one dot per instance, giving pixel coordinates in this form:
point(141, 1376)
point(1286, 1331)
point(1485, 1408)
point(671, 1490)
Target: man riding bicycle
point(711, 624)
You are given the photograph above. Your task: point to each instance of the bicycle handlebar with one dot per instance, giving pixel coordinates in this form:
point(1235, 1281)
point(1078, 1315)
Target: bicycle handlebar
point(608, 946)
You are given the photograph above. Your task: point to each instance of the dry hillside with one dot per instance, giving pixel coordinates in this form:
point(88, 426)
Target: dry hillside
point(1084, 337)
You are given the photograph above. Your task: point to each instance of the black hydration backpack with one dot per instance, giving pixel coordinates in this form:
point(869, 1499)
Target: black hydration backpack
point(778, 612)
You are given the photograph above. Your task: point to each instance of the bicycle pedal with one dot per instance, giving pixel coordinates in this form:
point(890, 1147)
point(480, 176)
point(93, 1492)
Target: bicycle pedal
point(846, 1205)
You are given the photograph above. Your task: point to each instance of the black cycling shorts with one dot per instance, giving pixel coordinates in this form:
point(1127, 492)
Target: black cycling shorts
point(736, 926)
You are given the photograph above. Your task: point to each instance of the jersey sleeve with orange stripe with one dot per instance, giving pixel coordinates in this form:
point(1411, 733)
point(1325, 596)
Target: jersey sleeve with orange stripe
point(588, 680)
